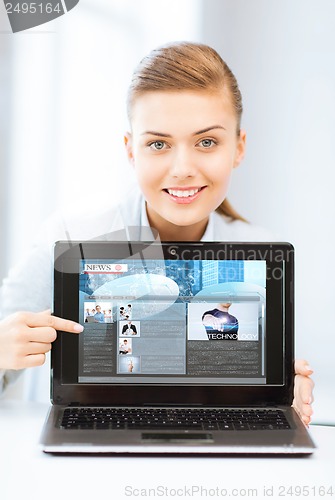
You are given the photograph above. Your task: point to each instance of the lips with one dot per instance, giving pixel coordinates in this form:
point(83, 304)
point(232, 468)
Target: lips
point(184, 195)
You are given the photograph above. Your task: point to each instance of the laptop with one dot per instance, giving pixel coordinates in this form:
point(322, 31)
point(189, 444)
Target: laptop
point(191, 349)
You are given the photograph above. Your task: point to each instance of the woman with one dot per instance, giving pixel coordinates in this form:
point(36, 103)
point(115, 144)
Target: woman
point(185, 139)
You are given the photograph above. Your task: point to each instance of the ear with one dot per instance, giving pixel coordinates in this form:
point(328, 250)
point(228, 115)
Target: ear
point(129, 147)
point(240, 148)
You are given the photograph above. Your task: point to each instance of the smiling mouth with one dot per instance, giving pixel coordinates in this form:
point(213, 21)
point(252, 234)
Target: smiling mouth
point(184, 193)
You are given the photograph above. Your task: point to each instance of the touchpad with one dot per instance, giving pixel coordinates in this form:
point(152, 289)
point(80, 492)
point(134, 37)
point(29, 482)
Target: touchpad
point(167, 437)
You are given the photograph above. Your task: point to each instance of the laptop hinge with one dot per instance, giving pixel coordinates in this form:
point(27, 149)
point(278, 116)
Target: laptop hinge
point(179, 405)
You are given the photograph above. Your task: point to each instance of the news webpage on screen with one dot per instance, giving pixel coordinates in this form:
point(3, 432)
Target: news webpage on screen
point(172, 321)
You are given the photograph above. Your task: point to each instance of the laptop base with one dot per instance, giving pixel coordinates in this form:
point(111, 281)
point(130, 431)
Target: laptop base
point(294, 441)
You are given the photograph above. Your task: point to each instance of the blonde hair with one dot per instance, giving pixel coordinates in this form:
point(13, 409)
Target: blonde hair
point(187, 66)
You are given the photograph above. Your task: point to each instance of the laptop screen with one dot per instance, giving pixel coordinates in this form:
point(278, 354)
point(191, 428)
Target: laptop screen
point(173, 314)
point(171, 321)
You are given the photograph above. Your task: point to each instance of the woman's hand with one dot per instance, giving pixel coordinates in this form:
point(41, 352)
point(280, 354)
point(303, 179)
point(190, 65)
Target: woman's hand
point(303, 390)
point(26, 337)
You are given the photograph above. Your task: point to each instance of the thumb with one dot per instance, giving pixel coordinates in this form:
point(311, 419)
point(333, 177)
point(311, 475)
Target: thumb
point(301, 367)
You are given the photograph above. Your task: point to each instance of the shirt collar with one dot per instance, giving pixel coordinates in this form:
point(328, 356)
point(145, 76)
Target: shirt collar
point(145, 229)
point(209, 231)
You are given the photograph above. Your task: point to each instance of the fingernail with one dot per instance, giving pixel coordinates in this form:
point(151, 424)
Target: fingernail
point(307, 367)
point(78, 328)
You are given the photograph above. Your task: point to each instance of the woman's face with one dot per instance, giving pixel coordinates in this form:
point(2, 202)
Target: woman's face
point(183, 147)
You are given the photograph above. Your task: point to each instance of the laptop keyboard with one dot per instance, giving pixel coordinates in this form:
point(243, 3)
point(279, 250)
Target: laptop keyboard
point(174, 419)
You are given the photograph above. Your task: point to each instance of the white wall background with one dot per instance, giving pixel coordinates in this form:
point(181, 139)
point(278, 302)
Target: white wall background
point(64, 88)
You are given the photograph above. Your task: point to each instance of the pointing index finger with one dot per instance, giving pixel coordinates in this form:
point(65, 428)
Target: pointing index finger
point(66, 325)
point(45, 319)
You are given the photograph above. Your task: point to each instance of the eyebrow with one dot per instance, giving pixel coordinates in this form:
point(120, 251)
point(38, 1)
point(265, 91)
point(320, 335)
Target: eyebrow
point(159, 134)
point(213, 127)
point(199, 132)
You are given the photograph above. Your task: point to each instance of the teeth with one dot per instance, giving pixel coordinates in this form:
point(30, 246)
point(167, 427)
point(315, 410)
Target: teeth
point(183, 194)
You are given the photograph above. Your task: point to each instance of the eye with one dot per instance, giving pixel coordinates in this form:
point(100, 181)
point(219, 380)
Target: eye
point(207, 143)
point(157, 145)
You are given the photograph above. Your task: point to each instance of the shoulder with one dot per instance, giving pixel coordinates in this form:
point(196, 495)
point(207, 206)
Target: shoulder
point(212, 311)
point(227, 229)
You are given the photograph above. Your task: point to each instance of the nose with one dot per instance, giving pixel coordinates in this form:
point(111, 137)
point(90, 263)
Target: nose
point(182, 165)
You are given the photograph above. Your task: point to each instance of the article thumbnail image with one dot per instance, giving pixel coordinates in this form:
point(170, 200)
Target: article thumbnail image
point(125, 311)
point(125, 346)
point(98, 312)
point(129, 329)
point(226, 321)
point(129, 364)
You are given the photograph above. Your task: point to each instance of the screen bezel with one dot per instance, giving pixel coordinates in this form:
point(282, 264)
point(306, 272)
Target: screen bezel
point(65, 348)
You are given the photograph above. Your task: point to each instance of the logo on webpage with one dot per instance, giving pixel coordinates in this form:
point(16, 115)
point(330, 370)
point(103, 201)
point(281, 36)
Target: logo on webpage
point(105, 268)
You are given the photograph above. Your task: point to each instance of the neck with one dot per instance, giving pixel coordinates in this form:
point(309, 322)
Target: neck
point(222, 308)
point(171, 232)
